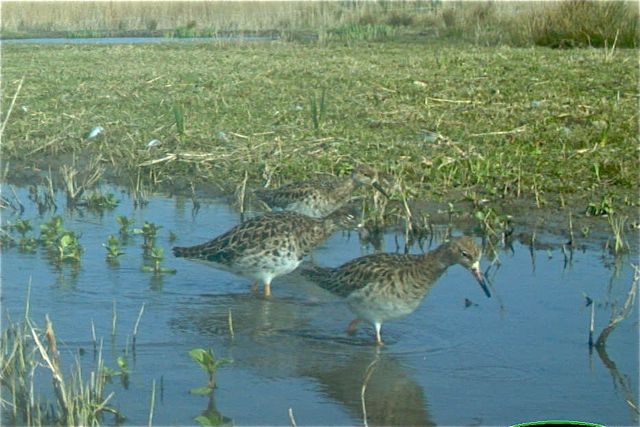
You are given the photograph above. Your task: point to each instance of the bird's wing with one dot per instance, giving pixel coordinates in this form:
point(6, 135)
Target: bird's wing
point(358, 273)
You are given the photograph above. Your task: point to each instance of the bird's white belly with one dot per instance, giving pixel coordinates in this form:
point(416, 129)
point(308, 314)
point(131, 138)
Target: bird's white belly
point(380, 309)
point(266, 267)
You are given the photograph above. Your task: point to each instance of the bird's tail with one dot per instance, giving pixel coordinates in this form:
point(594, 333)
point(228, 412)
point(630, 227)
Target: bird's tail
point(321, 276)
point(188, 251)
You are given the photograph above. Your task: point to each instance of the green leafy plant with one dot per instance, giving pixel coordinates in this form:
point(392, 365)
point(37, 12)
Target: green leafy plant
point(113, 248)
point(100, 202)
point(210, 364)
point(157, 255)
point(178, 114)
point(23, 226)
point(68, 248)
point(317, 109)
point(125, 225)
point(149, 232)
point(26, 244)
point(51, 230)
point(604, 208)
point(63, 245)
point(123, 371)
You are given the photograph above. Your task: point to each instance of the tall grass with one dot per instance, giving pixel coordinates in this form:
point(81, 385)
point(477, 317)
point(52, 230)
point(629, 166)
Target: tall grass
point(564, 23)
point(26, 349)
point(583, 23)
point(223, 15)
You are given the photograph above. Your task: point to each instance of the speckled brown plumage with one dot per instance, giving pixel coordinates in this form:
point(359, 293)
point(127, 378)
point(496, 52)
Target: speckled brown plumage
point(319, 197)
point(386, 286)
point(268, 246)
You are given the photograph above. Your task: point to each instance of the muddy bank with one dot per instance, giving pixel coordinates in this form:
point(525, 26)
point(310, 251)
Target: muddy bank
point(506, 218)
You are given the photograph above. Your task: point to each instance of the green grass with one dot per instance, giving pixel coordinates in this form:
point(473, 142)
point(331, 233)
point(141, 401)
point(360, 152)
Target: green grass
point(440, 120)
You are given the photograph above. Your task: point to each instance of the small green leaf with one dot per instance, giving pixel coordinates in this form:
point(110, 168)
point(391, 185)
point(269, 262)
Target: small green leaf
point(122, 362)
point(202, 357)
point(66, 240)
point(201, 390)
point(203, 421)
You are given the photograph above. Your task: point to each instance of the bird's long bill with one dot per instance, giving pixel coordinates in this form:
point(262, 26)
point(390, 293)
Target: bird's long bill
point(378, 187)
point(477, 273)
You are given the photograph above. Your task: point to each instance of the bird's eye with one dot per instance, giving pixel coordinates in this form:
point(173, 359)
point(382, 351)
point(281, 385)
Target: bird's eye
point(466, 254)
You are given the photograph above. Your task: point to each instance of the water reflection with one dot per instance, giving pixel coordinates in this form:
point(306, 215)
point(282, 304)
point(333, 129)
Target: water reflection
point(291, 346)
point(376, 388)
point(210, 416)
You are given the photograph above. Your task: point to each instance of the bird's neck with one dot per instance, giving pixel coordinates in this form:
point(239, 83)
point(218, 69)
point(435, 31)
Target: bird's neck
point(436, 262)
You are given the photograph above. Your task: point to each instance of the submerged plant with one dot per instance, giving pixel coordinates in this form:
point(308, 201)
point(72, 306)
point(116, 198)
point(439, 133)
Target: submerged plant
point(210, 364)
point(157, 255)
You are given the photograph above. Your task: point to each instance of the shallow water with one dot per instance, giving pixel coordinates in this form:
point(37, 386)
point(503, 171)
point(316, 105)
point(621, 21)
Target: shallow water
point(521, 355)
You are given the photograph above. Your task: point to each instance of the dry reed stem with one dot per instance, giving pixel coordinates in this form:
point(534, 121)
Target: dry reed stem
point(230, 322)
point(292, 419)
point(135, 327)
point(51, 358)
point(617, 317)
point(153, 402)
point(504, 132)
point(13, 101)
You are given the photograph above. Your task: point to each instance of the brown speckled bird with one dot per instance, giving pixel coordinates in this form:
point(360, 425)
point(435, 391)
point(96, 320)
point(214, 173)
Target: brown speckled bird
point(385, 286)
point(268, 246)
point(320, 197)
